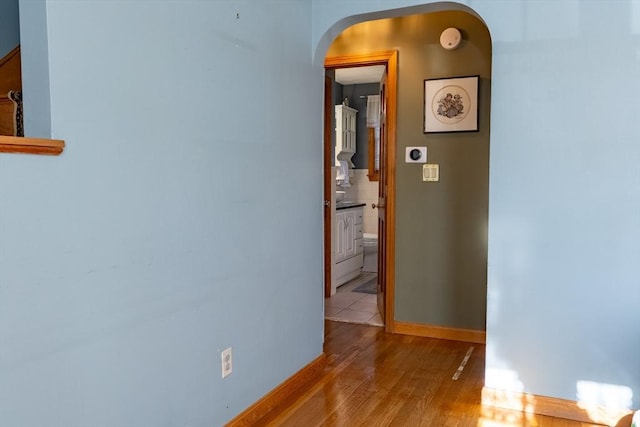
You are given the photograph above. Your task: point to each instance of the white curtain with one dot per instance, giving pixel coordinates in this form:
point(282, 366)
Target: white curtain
point(373, 111)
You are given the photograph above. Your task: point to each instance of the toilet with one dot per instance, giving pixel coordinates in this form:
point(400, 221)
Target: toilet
point(370, 249)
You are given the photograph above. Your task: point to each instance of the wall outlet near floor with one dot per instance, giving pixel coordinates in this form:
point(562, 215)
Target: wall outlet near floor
point(227, 366)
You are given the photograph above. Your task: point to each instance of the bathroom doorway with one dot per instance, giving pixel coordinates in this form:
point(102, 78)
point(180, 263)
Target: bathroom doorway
point(357, 81)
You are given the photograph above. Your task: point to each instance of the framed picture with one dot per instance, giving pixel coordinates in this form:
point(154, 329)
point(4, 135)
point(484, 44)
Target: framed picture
point(451, 105)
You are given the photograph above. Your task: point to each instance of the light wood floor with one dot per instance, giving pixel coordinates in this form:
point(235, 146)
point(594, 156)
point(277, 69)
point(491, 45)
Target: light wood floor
point(378, 379)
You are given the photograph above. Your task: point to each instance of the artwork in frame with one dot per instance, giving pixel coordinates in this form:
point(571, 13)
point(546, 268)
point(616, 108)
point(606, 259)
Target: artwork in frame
point(451, 105)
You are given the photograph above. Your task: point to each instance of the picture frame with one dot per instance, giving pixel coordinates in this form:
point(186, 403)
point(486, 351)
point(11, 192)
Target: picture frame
point(451, 104)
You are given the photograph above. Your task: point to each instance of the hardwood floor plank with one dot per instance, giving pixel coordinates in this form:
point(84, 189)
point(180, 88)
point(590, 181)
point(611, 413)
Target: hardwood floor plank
point(377, 379)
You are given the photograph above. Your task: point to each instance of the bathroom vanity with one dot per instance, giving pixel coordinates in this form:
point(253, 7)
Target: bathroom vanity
point(349, 246)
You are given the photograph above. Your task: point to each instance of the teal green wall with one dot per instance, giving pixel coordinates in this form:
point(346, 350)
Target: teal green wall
point(441, 228)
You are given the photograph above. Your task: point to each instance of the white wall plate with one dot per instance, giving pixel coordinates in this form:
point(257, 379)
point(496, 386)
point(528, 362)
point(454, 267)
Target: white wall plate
point(431, 172)
point(416, 155)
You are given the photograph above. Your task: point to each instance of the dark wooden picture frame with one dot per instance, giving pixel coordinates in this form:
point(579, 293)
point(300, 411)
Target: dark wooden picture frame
point(451, 105)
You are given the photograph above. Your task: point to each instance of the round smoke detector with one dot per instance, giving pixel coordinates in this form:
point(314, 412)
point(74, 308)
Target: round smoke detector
point(450, 38)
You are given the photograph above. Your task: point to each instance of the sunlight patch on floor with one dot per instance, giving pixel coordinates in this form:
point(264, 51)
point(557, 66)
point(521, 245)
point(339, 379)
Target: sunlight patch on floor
point(605, 403)
point(493, 414)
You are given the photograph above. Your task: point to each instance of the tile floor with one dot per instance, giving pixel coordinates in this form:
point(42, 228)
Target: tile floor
point(353, 307)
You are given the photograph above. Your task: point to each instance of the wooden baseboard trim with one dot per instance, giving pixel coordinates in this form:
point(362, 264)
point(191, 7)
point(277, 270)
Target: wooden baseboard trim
point(441, 332)
point(305, 376)
point(553, 407)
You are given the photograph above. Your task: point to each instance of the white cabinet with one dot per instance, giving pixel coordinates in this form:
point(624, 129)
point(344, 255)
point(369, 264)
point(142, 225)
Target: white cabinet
point(345, 132)
point(342, 226)
point(349, 249)
point(345, 234)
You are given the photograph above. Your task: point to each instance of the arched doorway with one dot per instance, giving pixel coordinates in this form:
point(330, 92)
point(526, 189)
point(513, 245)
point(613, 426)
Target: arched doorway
point(439, 262)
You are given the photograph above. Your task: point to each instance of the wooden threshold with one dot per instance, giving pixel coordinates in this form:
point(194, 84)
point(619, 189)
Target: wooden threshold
point(304, 377)
point(17, 144)
point(441, 332)
point(554, 407)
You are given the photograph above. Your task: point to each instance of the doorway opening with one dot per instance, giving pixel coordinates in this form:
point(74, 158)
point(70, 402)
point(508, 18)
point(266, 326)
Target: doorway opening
point(358, 195)
point(436, 264)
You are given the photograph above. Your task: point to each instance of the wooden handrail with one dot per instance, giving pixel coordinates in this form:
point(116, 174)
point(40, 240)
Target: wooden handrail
point(18, 144)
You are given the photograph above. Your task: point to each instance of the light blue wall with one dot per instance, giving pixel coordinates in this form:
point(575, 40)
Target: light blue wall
point(564, 224)
point(34, 52)
point(9, 26)
point(184, 216)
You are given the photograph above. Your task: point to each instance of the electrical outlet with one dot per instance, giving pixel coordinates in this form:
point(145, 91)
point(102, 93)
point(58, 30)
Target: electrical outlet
point(227, 365)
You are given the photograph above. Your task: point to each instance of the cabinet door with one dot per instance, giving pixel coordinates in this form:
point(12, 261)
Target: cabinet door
point(350, 233)
point(340, 236)
point(345, 129)
point(346, 141)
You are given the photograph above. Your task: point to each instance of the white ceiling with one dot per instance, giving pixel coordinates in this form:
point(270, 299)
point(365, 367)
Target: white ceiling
point(359, 75)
